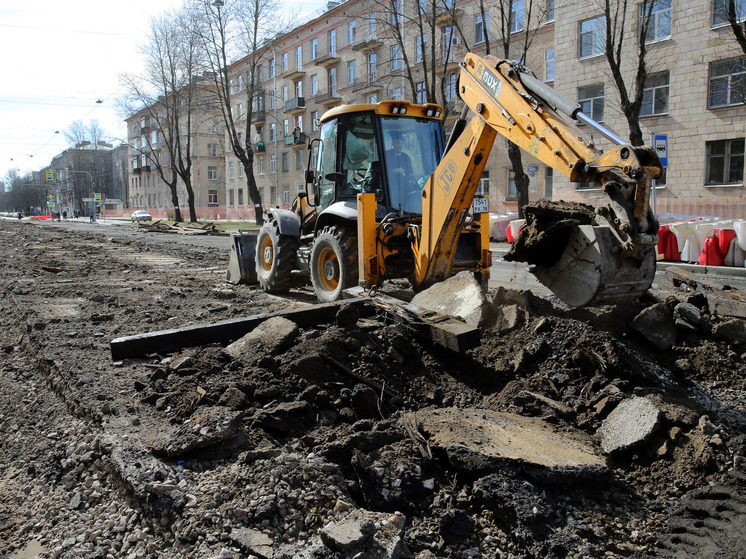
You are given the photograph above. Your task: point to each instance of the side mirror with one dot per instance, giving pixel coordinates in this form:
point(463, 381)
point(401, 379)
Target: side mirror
point(334, 177)
point(310, 176)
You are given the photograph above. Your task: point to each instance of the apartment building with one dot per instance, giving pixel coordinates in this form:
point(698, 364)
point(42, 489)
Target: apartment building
point(693, 104)
point(148, 150)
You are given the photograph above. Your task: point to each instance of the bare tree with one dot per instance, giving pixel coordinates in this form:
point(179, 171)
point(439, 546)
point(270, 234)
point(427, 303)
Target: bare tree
point(629, 85)
point(76, 133)
point(244, 26)
point(515, 33)
point(170, 100)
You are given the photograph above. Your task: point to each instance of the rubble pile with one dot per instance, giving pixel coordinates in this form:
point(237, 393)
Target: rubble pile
point(563, 433)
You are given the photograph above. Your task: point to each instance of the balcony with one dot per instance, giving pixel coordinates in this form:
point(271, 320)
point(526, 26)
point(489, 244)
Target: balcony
point(293, 74)
point(297, 139)
point(368, 44)
point(259, 147)
point(258, 117)
point(327, 60)
point(294, 106)
point(448, 15)
point(328, 98)
point(137, 170)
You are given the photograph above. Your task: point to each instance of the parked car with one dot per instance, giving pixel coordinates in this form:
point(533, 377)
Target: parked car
point(141, 215)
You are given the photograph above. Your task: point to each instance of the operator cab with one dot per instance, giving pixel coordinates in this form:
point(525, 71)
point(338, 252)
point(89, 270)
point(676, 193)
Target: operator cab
point(389, 149)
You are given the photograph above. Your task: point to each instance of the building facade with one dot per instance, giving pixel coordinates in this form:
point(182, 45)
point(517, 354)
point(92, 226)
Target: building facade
point(149, 156)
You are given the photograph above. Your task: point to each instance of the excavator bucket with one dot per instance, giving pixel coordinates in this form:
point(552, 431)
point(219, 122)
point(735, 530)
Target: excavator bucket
point(583, 263)
point(593, 271)
point(241, 268)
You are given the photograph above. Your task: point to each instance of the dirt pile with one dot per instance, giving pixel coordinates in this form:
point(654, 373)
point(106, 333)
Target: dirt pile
point(320, 441)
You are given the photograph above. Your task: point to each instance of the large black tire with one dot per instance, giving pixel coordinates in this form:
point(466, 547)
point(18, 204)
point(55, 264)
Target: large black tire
point(333, 263)
point(276, 258)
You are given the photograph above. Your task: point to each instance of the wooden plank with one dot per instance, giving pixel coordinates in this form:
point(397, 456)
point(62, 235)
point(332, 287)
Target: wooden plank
point(445, 331)
point(167, 341)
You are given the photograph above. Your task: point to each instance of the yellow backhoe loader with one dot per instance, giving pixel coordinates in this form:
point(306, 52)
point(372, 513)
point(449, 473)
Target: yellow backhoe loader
point(388, 197)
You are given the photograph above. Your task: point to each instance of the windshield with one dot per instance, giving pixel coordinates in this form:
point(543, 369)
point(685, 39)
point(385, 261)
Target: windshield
point(413, 148)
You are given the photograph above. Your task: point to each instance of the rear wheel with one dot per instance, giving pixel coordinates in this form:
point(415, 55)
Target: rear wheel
point(333, 263)
point(276, 257)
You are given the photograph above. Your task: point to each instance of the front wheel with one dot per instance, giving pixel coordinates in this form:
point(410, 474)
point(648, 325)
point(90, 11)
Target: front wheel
point(276, 257)
point(333, 263)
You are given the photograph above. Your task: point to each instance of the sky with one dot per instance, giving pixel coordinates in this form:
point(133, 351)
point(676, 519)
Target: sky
point(61, 62)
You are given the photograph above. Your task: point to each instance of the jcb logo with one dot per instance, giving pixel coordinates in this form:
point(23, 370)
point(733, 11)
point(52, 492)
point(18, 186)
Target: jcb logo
point(447, 176)
point(489, 79)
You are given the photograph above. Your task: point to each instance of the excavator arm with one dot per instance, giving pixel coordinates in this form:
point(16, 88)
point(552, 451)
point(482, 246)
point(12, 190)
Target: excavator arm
point(608, 257)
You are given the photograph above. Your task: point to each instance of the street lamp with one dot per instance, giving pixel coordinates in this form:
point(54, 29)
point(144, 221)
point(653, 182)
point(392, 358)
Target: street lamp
point(218, 3)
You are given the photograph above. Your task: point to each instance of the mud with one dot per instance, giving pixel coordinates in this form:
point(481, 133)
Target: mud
point(278, 450)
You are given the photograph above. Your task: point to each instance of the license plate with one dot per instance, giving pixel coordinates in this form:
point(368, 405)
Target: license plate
point(480, 205)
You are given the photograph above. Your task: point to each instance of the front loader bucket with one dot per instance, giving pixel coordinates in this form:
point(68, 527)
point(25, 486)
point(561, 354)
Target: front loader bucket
point(594, 270)
point(242, 267)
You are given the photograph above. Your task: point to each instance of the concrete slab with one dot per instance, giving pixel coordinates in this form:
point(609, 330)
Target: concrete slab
point(460, 296)
point(479, 438)
point(632, 422)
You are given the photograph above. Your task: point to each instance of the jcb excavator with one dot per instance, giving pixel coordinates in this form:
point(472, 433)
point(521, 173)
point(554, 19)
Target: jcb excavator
point(374, 211)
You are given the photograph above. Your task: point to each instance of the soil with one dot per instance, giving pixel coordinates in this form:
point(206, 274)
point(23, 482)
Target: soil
point(266, 454)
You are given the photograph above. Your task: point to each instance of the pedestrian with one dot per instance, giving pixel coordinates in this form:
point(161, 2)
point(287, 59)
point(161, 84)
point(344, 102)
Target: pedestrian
point(19, 216)
point(64, 215)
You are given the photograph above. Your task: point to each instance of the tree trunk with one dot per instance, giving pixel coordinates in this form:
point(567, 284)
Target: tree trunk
point(522, 180)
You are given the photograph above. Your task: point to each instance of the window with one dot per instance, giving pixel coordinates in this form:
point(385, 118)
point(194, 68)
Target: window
point(484, 184)
point(240, 196)
point(332, 42)
point(299, 89)
point(724, 162)
point(299, 57)
point(549, 65)
point(314, 49)
point(284, 62)
point(231, 169)
point(720, 11)
point(285, 127)
point(299, 122)
point(212, 197)
point(272, 132)
point(480, 27)
point(591, 100)
point(373, 98)
point(231, 197)
point(372, 67)
point(659, 26)
point(450, 87)
point(372, 26)
point(240, 84)
point(448, 44)
point(516, 16)
point(272, 102)
point(271, 69)
point(332, 76)
point(420, 48)
point(549, 11)
point(511, 186)
point(548, 182)
point(298, 159)
point(395, 58)
point(284, 93)
point(285, 162)
point(421, 93)
point(260, 165)
point(240, 176)
point(212, 173)
point(396, 12)
point(655, 95)
point(351, 71)
point(351, 31)
point(240, 110)
point(396, 94)
point(727, 83)
point(285, 193)
point(592, 37)
point(314, 85)
point(273, 164)
point(315, 121)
